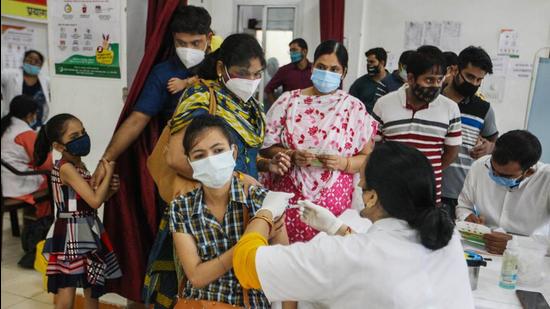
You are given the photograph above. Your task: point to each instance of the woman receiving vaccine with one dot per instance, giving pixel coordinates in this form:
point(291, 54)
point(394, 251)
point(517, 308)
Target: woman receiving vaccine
point(207, 222)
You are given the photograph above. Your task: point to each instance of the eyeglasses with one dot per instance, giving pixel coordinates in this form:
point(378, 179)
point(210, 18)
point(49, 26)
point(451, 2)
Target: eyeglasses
point(495, 173)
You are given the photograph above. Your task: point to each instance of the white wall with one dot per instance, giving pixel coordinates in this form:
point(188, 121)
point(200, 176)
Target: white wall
point(97, 102)
point(137, 21)
point(481, 23)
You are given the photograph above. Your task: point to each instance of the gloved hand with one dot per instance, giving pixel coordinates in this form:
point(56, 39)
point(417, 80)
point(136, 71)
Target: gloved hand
point(319, 217)
point(276, 203)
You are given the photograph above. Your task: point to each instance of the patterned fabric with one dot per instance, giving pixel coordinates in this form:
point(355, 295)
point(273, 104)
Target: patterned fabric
point(78, 251)
point(246, 118)
point(189, 215)
point(337, 124)
point(336, 198)
point(160, 286)
point(428, 129)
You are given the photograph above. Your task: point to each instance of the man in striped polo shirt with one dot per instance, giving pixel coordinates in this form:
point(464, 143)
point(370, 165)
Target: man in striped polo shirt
point(416, 114)
point(479, 130)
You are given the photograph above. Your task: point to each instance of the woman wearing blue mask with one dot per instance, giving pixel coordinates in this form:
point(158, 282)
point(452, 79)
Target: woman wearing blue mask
point(28, 80)
point(207, 222)
point(326, 132)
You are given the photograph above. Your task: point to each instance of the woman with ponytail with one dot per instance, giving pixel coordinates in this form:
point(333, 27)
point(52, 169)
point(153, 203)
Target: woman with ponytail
point(18, 140)
point(411, 257)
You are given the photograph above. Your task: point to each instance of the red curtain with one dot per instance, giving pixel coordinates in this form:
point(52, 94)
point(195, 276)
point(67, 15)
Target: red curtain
point(332, 20)
point(131, 216)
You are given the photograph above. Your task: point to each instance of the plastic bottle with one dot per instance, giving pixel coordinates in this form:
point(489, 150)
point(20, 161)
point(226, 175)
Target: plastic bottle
point(509, 270)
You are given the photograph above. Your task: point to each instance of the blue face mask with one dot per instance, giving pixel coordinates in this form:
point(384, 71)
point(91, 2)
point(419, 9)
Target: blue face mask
point(79, 147)
point(503, 181)
point(326, 81)
point(31, 69)
point(34, 125)
point(295, 56)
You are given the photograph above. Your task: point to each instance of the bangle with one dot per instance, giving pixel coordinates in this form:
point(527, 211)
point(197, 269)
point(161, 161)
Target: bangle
point(266, 219)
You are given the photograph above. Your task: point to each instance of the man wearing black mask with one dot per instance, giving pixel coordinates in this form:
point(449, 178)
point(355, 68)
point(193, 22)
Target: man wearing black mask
point(416, 114)
point(369, 87)
point(478, 119)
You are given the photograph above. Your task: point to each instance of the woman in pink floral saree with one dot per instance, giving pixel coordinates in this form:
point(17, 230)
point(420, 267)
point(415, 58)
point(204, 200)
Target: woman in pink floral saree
point(326, 132)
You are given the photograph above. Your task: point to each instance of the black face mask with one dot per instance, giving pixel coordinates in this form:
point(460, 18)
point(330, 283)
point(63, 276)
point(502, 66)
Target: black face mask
point(426, 94)
point(373, 70)
point(466, 89)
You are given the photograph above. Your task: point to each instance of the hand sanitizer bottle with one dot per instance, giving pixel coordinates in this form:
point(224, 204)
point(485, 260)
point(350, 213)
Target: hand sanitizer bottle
point(509, 270)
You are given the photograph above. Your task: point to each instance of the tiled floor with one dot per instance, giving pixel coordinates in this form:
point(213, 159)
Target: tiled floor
point(22, 288)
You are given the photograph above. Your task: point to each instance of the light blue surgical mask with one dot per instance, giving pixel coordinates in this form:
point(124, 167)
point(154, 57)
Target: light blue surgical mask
point(326, 81)
point(31, 69)
point(504, 181)
point(295, 56)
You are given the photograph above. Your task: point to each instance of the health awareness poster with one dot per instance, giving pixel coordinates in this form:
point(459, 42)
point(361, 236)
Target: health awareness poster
point(86, 37)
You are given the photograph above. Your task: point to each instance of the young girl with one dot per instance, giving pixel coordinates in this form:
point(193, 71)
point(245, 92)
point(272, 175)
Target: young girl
point(77, 248)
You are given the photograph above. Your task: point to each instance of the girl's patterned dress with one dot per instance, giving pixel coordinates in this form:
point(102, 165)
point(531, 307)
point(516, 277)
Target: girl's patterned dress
point(78, 251)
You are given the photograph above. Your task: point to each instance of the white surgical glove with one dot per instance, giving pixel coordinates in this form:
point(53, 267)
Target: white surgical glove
point(319, 217)
point(276, 202)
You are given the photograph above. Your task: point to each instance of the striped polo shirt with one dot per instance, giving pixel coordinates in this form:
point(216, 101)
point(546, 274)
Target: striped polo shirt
point(428, 129)
point(478, 119)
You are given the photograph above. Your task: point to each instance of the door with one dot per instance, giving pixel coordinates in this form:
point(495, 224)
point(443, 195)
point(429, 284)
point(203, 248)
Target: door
point(274, 26)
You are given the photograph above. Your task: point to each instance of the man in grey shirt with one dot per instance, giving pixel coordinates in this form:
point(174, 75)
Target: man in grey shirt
point(479, 130)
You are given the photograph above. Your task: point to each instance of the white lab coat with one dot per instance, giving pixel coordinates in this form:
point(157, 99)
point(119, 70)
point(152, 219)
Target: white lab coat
point(12, 86)
point(386, 268)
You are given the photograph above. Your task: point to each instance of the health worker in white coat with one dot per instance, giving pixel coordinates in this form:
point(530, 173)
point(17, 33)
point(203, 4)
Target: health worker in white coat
point(411, 257)
point(29, 80)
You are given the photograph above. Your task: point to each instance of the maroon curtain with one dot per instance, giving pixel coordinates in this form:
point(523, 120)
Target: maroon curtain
point(131, 216)
point(332, 20)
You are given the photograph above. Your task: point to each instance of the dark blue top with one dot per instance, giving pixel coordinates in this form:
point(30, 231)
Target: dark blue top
point(155, 98)
point(35, 91)
point(393, 81)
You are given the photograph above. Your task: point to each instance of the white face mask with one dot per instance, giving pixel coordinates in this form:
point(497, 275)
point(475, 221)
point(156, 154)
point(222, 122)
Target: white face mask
point(403, 74)
point(190, 56)
point(214, 171)
point(242, 87)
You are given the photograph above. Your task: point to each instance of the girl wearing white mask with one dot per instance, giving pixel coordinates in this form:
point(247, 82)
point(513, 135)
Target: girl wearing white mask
point(233, 73)
point(207, 222)
point(326, 132)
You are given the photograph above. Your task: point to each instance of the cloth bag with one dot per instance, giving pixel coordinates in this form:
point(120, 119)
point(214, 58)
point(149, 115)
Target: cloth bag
point(41, 264)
